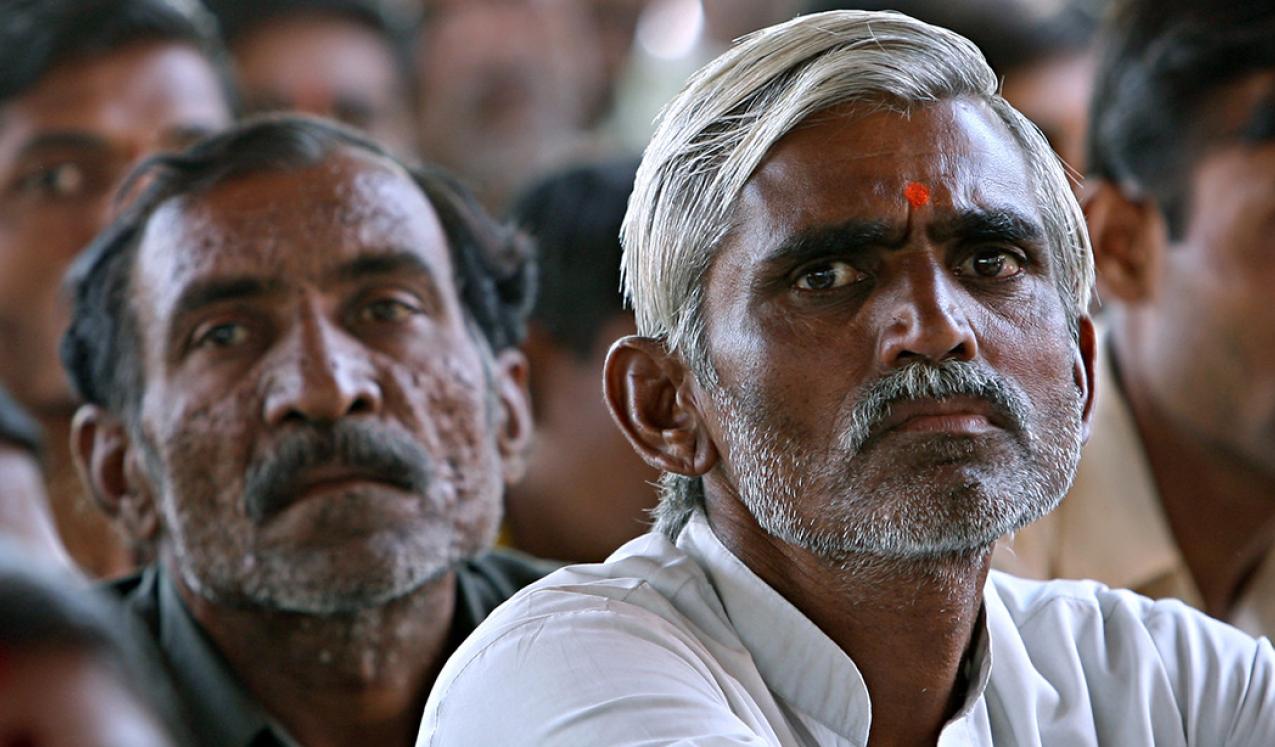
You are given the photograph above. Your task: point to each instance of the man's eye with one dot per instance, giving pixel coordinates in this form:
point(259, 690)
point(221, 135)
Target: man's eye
point(991, 263)
point(386, 310)
point(59, 181)
point(222, 335)
point(828, 275)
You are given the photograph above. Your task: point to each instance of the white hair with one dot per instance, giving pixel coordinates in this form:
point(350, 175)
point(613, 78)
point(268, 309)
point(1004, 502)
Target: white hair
point(712, 136)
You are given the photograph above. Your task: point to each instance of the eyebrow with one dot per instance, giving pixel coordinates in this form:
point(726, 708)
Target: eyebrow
point(219, 290)
point(993, 224)
point(63, 139)
point(380, 264)
point(847, 238)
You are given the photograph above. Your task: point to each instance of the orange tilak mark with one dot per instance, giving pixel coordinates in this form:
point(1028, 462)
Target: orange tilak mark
point(917, 194)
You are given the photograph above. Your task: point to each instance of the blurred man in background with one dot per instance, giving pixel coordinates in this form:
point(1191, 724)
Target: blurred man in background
point(75, 671)
point(24, 508)
point(347, 60)
point(87, 88)
point(301, 368)
point(506, 89)
point(1174, 494)
point(586, 492)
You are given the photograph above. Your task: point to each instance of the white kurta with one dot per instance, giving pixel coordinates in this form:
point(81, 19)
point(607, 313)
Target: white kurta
point(683, 644)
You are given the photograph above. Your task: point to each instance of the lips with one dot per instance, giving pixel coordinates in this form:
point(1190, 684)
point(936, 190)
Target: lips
point(326, 479)
point(955, 415)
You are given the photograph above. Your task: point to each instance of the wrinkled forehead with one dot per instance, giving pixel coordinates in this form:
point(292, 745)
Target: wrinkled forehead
point(871, 163)
point(291, 226)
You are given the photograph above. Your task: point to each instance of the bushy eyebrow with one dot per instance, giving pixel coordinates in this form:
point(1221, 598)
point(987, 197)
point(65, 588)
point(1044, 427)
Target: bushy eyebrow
point(1003, 225)
point(845, 239)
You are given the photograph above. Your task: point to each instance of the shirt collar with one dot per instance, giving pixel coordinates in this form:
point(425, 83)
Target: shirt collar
point(798, 662)
point(221, 711)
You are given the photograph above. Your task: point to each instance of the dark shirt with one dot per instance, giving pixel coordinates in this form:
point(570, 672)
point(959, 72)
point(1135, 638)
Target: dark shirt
point(218, 708)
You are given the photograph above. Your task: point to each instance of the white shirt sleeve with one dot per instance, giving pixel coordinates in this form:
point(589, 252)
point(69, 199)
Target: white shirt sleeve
point(607, 674)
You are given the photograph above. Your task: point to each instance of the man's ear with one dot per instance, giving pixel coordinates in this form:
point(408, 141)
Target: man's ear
point(1086, 365)
point(1128, 237)
point(514, 427)
point(108, 465)
point(650, 397)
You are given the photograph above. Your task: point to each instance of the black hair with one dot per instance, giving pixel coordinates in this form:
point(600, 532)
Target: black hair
point(574, 216)
point(391, 23)
point(1160, 64)
point(37, 35)
point(46, 609)
point(494, 274)
point(17, 427)
point(1012, 34)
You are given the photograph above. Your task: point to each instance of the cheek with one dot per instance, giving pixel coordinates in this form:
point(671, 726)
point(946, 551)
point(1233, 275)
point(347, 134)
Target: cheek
point(447, 404)
point(206, 446)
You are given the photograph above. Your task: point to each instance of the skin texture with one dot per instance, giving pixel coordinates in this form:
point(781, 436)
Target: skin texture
point(344, 576)
point(1193, 339)
point(65, 145)
point(24, 508)
point(64, 698)
point(330, 66)
point(897, 523)
point(586, 492)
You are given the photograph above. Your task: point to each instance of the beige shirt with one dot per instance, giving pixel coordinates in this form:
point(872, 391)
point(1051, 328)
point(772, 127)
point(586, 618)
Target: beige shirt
point(1111, 527)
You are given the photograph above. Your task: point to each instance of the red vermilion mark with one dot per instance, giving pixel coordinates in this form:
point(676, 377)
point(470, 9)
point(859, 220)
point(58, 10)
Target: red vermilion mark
point(917, 194)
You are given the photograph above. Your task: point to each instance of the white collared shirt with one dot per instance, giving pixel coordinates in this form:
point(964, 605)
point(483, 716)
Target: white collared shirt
point(683, 644)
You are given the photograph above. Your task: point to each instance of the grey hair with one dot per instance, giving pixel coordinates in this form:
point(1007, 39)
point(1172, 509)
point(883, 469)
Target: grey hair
point(714, 134)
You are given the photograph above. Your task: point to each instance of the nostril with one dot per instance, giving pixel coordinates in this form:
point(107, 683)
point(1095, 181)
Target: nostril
point(360, 406)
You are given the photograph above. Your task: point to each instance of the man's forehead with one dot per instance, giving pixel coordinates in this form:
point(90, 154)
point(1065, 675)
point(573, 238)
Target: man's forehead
point(294, 224)
point(876, 161)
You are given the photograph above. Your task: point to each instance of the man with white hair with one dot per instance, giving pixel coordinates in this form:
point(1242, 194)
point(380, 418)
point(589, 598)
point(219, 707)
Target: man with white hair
point(861, 282)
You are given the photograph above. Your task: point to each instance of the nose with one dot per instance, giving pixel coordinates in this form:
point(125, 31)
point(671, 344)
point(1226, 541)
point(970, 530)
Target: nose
point(320, 375)
point(925, 318)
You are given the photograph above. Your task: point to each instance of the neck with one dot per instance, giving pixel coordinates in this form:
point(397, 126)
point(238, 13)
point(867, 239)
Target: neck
point(1218, 505)
point(93, 543)
point(352, 679)
point(906, 624)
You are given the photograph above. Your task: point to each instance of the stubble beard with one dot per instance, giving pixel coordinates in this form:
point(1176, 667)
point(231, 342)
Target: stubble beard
point(890, 506)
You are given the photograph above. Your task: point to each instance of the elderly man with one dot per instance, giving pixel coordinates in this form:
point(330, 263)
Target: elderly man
point(87, 89)
point(861, 282)
point(1173, 495)
point(300, 367)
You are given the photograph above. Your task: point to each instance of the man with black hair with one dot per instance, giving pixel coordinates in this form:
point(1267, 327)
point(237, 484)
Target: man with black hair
point(1173, 495)
point(349, 60)
point(24, 508)
point(586, 492)
point(300, 364)
point(87, 88)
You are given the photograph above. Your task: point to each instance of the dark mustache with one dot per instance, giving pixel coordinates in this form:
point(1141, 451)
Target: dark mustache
point(272, 482)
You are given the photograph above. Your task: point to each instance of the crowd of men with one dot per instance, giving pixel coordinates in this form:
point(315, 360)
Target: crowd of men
point(915, 386)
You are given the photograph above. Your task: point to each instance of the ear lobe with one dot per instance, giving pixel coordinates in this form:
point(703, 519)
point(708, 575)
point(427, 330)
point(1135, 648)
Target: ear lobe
point(649, 394)
point(1085, 371)
point(107, 465)
point(1128, 240)
point(514, 430)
